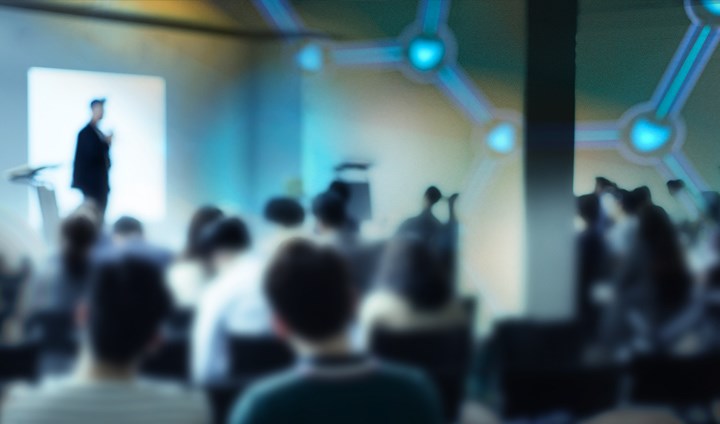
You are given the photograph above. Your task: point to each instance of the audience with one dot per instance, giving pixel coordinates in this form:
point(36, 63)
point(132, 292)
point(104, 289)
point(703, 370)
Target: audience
point(592, 267)
point(313, 302)
point(121, 318)
point(331, 229)
point(62, 282)
point(425, 226)
point(232, 303)
point(411, 292)
point(128, 234)
point(645, 284)
point(285, 217)
point(188, 276)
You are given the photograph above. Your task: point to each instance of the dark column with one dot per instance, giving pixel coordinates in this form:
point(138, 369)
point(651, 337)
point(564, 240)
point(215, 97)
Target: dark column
point(549, 157)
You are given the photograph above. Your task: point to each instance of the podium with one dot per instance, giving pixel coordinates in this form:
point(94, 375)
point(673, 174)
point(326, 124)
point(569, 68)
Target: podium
point(32, 177)
point(355, 175)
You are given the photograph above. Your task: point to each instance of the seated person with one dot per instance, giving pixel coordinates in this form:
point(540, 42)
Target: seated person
point(284, 218)
point(331, 229)
point(121, 318)
point(128, 233)
point(232, 304)
point(189, 275)
point(411, 292)
point(313, 301)
point(62, 281)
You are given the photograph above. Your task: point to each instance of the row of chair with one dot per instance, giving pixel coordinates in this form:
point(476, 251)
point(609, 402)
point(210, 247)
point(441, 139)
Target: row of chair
point(538, 369)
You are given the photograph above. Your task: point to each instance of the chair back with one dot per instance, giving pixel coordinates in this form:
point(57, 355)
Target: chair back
point(19, 362)
point(54, 331)
point(679, 381)
point(170, 361)
point(442, 353)
point(252, 356)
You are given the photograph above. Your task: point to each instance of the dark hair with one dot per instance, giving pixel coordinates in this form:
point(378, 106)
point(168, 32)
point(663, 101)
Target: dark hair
point(628, 201)
point(329, 208)
point(78, 233)
point(204, 216)
point(229, 233)
point(643, 196)
point(127, 225)
point(665, 261)
point(603, 183)
point(128, 301)
point(675, 185)
point(284, 211)
point(342, 189)
point(588, 207)
point(410, 269)
point(433, 195)
point(309, 288)
point(96, 102)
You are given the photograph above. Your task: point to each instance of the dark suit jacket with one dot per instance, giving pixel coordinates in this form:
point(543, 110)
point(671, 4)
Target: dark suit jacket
point(92, 161)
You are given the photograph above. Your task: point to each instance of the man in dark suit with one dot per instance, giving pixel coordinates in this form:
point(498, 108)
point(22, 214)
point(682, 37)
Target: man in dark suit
point(92, 160)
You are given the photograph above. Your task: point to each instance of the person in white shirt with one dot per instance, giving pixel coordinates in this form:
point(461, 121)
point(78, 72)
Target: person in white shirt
point(233, 302)
point(188, 276)
point(121, 319)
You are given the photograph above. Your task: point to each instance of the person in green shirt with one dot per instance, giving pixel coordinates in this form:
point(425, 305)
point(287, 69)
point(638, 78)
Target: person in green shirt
point(313, 303)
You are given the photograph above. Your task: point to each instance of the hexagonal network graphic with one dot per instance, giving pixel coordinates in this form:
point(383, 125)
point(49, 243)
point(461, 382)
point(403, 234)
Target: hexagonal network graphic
point(651, 133)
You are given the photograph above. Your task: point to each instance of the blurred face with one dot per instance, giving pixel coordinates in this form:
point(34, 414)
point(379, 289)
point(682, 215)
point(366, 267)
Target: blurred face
point(98, 112)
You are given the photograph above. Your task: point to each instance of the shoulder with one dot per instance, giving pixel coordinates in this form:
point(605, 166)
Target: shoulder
point(267, 399)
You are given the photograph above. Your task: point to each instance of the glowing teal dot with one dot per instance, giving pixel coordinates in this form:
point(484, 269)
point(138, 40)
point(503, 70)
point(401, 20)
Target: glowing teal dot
point(310, 58)
point(648, 136)
point(426, 53)
point(712, 6)
point(501, 139)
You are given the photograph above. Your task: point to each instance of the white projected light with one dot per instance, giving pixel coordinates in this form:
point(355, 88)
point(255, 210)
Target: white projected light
point(59, 107)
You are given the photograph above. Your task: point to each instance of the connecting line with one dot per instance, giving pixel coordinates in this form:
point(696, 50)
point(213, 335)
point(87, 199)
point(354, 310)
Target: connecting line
point(462, 91)
point(479, 180)
point(684, 70)
point(679, 166)
point(375, 54)
point(280, 14)
point(597, 135)
point(432, 14)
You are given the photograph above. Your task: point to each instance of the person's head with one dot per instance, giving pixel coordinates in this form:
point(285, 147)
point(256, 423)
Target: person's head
point(411, 270)
point(285, 212)
point(643, 197)
point(629, 202)
point(330, 212)
point(675, 186)
point(78, 235)
point(127, 228)
point(97, 107)
point(223, 240)
point(603, 185)
point(588, 207)
point(309, 291)
point(125, 306)
point(431, 197)
point(204, 216)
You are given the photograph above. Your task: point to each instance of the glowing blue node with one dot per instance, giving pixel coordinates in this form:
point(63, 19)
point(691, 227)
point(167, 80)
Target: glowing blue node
point(310, 58)
point(712, 6)
point(647, 136)
point(501, 139)
point(426, 53)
